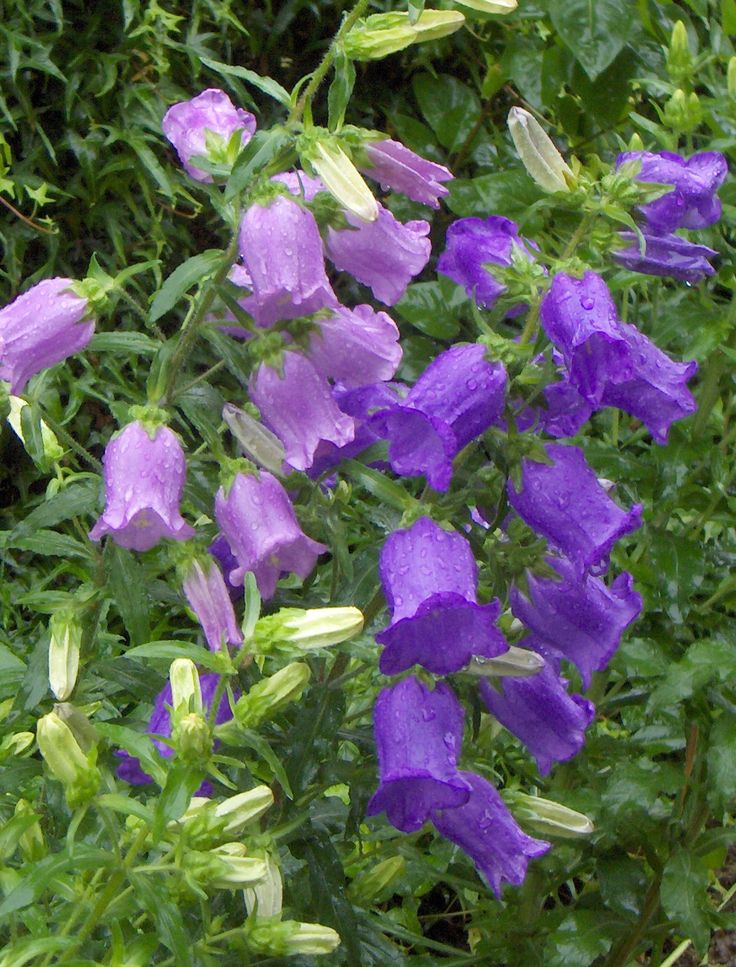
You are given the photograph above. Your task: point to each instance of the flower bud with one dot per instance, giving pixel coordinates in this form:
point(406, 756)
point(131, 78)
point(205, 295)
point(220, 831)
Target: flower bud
point(378, 36)
point(366, 887)
point(538, 154)
point(433, 24)
point(238, 811)
point(65, 759)
point(731, 77)
point(518, 662)
point(31, 841)
point(342, 180)
point(266, 697)
point(286, 938)
point(551, 818)
point(265, 898)
point(683, 112)
point(226, 867)
point(489, 6)
point(679, 58)
point(192, 738)
point(258, 443)
point(66, 640)
point(186, 691)
point(52, 450)
point(307, 630)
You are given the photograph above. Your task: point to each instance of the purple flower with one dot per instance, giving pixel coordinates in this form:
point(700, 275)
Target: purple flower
point(418, 737)
point(227, 562)
point(565, 504)
point(187, 123)
point(485, 830)
point(384, 255)
point(300, 183)
point(258, 521)
point(144, 480)
point(282, 250)
point(667, 255)
point(472, 243)
point(540, 712)
point(208, 597)
point(356, 347)
point(298, 407)
point(430, 578)
point(564, 411)
point(456, 398)
point(578, 617)
point(692, 203)
point(395, 166)
point(40, 328)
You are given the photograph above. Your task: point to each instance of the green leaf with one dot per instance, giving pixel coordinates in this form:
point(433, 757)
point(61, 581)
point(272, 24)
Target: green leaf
point(125, 805)
point(623, 884)
point(128, 586)
point(416, 8)
point(48, 543)
point(341, 88)
point(722, 763)
point(266, 84)
point(74, 500)
point(39, 876)
point(136, 744)
point(378, 484)
point(594, 30)
point(124, 342)
point(432, 309)
point(167, 917)
point(684, 896)
point(195, 269)
point(170, 650)
point(704, 661)
point(182, 781)
point(262, 148)
point(509, 193)
point(261, 747)
point(580, 939)
point(450, 107)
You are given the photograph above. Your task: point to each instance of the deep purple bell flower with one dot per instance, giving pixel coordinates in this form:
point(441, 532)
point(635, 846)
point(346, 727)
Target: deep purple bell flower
point(419, 734)
point(185, 125)
point(144, 481)
point(40, 328)
point(258, 522)
point(485, 830)
point(430, 579)
point(393, 165)
point(565, 504)
point(356, 347)
point(564, 411)
point(208, 596)
point(578, 617)
point(666, 255)
point(298, 407)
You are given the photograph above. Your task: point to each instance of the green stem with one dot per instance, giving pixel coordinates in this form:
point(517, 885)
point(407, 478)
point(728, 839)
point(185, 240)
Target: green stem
point(577, 236)
point(530, 325)
point(619, 956)
point(69, 441)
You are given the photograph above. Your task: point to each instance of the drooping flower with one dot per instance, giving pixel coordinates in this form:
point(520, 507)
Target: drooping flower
point(667, 255)
point(391, 163)
point(418, 738)
point(188, 123)
point(485, 830)
point(563, 410)
point(258, 522)
point(298, 407)
point(209, 598)
point(430, 580)
point(356, 347)
point(144, 480)
point(40, 328)
point(565, 504)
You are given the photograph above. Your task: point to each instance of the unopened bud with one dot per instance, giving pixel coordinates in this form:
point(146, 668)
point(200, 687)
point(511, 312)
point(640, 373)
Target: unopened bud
point(186, 691)
point(378, 36)
point(307, 630)
point(268, 696)
point(434, 24)
point(366, 887)
point(538, 154)
point(516, 662)
point(489, 6)
point(679, 58)
point(31, 841)
point(549, 817)
point(343, 180)
point(52, 450)
point(65, 759)
point(258, 444)
point(192, 738)
point(226, 867)
point(286, 938)
point(66, 640)
point(683, 112)
point(265, 899)
point(16, 744)
point(238, 811)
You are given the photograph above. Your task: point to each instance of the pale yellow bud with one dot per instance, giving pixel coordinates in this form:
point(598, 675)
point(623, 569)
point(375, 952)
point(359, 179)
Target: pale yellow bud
point(64, 646)
point(517, 662)
point(266, 897)
point(433, 24)
point(186, 690)
point(537, 152)
point(550, 817)
point(490, 6)
point(343, 180)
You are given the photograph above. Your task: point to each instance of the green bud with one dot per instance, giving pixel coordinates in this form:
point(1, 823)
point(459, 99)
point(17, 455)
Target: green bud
point(679, 58)
point(683, 112)
point(16, 744)
point(366, 887)
point(307, 630)
point(378, 36)
point(286, 938)
point(265, 898)
point(66, 641)
point(192, 738)
point(258, 444)
point(266, 697)
point(549, 817)
point(31, 842)
point(731, 77)
point(537, 152)
point(186, 691)
point(226, 867)
point(52, 449)
point(238, 811)
point(518, 662)
point(65, 759)
point(82, 729)
point(434, 24)
point(342, 179)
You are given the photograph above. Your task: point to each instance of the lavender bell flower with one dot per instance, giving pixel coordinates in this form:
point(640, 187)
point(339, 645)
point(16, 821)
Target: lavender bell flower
point(281, 247)
point(356, 347)
point(430, 578)
point(300, 183)
point(298, 407)
point(384, 254)
point(144, 481)
point(187, 123)
point(258, 522)
point(392, 164)
point(565, 504)
point(418, 737)
point(578, 617)
point(40, 328)
point(667, 255)
point(692, 203)
point(456, 398)
point(485, 830)
point(227, 562)
point(208, 596)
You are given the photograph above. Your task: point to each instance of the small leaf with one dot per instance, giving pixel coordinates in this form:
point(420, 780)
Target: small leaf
point(722, 763)
point(129, 588)
point(262, 149)
point(124, 342)
point(266, 84)
point(194, 270)
point(683, 894)
point(170, 650)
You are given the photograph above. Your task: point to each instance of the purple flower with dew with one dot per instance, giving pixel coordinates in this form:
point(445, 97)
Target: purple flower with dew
point(456, 398)
point(395, 166)
point(186, 125)
point(227, 562)
point(160, 724)
point(564, 411)
point(40, 328)
point(356, 347)
point(258, 522)
point(692, 202)
point(419, 734)
point(208, 596)
point(298, 407)
point(578, 617)
point(667, 255)
point(144, 480)
point(281, 247)
point(473, 243)
point(485, 830)
point(385, 254)
point(565, 504)
point(539, 711)
point(430, 579)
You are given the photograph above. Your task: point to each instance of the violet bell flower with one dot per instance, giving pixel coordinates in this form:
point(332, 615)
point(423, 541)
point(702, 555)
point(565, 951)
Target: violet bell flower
point(666, 255)
point(208, 596)
point(393, 165)
point(144, 480)
point(430, 579)
point(187, 123)
point(356, 347)
point(418, 738)
point(42, 327)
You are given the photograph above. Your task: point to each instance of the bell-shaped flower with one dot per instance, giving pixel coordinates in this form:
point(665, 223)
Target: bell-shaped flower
point(281, 247)
point(458, 397)
point(301, 184)
point(419, 734)
point(384, 254)
point(40, 328)
point(258, 522)
point(296, 404)
point(393, 165)
point(564, 503)
point(356, 347)
point(667, 255)
point(578, 617)
point(563, 413)
point(430, 580)
point(209, 598)
point(144, 479)
point(541, 713)
point(203, 126)
point(485, 830)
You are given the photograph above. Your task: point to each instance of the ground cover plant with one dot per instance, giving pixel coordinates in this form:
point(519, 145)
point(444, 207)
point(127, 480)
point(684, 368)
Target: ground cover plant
point(366, 487)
